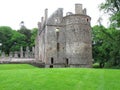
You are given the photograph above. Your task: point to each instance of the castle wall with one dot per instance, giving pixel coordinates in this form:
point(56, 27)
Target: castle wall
point(55, 40)
point(40, 42)
point(42, 47)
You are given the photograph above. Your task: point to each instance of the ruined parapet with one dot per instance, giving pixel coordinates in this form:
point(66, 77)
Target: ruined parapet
point(3, 54)
point(27, 52)
point(21, 52)
point(16, 54)
point(11, 54)
point(33, 52)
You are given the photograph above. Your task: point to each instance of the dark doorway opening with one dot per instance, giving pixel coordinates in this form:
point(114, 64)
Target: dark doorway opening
point(52, 60)
point(67, 61)
point(51, 66)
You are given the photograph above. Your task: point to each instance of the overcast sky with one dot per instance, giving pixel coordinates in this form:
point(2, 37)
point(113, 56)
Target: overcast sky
point(12, 12)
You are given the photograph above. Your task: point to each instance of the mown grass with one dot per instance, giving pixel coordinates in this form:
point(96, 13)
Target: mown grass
point(27, 77)
point(15, 66)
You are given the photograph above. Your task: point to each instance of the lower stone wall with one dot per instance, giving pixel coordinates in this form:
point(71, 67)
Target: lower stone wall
point(80, 66)
point(34, 63)
point(69, 66)
point(55, 66)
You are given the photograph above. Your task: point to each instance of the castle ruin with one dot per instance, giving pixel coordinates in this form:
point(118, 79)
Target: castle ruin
point(65, 41)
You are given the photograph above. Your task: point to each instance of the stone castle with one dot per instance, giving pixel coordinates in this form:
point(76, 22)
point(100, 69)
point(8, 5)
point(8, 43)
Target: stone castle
point(64, 41)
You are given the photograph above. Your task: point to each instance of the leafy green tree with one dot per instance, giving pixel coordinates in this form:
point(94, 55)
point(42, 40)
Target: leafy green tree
point(17, 41)
point(5, 36)
point(33, 36)
point(99, 45)
point(106, 48)
point(26, 32)
point(11, 40)
point(112, 7)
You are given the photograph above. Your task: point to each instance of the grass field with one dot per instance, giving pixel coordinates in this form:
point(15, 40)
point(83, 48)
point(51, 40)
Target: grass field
point(27, 77)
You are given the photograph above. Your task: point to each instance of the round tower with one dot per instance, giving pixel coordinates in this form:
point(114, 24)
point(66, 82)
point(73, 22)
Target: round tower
point(78, 38)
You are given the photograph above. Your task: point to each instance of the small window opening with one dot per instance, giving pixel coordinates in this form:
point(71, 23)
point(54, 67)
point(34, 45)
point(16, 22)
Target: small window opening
point(58, 46)
point(57, 33)
point(87, 20)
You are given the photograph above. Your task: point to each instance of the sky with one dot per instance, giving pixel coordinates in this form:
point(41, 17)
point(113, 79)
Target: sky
point(12, 12)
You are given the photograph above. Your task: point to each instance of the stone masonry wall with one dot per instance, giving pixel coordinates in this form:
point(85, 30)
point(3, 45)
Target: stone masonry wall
point(78, 40)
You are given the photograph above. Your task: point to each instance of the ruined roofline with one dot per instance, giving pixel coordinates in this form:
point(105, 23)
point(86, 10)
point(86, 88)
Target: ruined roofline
point(55, 12)
point(43, 19)
point(77, 15)
point(79, 11)
point(42, 24)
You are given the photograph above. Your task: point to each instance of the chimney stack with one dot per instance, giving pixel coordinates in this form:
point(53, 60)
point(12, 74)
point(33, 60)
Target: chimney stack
point(78, 9)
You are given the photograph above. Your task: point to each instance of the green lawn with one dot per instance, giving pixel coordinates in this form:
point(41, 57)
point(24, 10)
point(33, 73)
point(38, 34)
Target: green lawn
point(27, 77)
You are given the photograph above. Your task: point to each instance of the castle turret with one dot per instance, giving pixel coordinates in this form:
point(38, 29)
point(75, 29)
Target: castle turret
point(78, 38)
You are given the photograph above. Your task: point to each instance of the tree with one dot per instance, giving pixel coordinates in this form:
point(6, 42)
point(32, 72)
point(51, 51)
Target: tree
point(100, 47)
point(11, 39)
point(17, 41)
point(5, 36)
point(26, 32)
point(112, 7)
point(106, 46)
point(33, 36)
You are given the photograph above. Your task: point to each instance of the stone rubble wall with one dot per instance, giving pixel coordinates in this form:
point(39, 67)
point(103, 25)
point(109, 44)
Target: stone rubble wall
point(19, 56)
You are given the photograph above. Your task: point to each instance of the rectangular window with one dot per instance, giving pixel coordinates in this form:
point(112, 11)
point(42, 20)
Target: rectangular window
point(57, 33)
point(58, 46)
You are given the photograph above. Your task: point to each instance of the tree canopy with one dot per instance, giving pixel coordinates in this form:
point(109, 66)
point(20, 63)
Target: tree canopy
point(12, 40)
point(106, 41)
point(112, 7)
